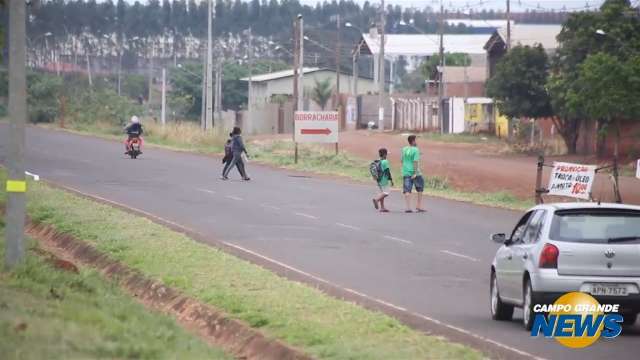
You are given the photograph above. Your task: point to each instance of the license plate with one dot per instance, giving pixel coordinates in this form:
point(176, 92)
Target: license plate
point(608, 290)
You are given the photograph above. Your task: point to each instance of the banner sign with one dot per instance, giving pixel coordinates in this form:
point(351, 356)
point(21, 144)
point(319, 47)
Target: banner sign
point(316, 126)
point(572, 180)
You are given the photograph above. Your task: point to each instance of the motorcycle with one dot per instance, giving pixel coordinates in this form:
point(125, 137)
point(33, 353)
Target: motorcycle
point(134, 146)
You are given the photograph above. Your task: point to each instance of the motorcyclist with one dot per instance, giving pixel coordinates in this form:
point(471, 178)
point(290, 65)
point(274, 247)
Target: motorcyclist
point(134, 130)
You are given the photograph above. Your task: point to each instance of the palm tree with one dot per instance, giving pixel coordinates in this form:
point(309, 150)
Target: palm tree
point(322, 92)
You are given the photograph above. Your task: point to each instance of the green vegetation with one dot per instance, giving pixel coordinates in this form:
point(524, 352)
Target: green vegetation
point(321, 92)
point(83, 104)
point(594, 48)
point(464, 138)
point(295, 313)
point(47, 313)
point(320, 160)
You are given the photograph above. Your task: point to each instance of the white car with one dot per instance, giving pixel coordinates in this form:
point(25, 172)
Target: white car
point(559, 248)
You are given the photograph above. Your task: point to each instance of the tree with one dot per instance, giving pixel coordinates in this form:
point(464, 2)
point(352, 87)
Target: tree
point(429, 66)
point(519, 84)
point(321, 93)
point(578, 40)
point(617, 88)
point(567, 115)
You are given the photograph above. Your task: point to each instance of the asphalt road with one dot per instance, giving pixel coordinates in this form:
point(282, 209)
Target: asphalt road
point(435, 264)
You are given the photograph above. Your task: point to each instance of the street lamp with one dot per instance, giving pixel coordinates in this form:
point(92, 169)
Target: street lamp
point(623, 46)
point(354, 61)
point(181, 67)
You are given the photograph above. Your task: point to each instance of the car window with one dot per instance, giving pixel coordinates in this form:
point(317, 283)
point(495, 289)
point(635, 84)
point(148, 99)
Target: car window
point(518, 231)
point(600, 225)
point(534, 229)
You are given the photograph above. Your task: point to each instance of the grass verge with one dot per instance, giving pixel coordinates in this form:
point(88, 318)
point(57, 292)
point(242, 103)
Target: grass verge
point(52, 314)
point(298, 314)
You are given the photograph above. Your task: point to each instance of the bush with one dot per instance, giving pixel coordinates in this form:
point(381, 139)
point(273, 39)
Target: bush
point(102, 106)
point(43, 91)
point(134, 86)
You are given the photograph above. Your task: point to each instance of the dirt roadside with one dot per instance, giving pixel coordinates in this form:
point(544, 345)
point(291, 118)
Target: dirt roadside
point(477, 167)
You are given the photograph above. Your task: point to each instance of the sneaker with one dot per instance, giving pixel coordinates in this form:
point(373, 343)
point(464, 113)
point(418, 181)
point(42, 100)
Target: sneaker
point(421, 210)
point(247, 179)
point(384, 210)
point(375, 204)
point(408, 211)
point(224, 178)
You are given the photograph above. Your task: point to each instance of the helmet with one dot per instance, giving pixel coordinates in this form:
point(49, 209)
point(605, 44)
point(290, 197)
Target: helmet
point(134, 119)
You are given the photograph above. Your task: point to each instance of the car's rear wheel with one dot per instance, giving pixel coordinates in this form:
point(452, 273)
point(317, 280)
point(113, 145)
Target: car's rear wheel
point(499, 310)
point(528, 304)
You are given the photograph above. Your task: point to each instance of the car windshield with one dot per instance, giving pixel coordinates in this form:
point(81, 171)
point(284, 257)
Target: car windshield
point(596, 226)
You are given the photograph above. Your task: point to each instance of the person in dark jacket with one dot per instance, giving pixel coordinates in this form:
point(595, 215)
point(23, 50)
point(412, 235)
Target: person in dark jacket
point(237, 149)
point(228, 156)
point(134, 130)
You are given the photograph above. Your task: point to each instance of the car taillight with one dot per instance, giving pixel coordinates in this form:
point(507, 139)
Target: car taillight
point(549, 257)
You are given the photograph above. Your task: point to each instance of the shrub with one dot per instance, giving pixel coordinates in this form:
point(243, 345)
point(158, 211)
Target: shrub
point(43, 91)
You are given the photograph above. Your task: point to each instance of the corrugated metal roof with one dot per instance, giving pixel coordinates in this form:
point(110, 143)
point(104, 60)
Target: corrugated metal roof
point(279, 75)
point(426, 45)
point(525, 34)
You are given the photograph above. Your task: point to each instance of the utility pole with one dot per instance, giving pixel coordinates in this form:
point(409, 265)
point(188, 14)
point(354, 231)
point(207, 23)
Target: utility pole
point(218, 100)
point(89, 69)
point(149, 95)
point(338, 58)
point(300, 63)
point(296, 58)
point(163, 111)
point(209, 105)
point(203, 98)
point(16, 185)
point(354, 69)
point(250, 89)
point(508, 25)
point(381, 69)
point(441, 72)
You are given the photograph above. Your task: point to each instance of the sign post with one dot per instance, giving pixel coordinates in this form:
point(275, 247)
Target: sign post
point(316, 127)
point(572, 180)
point(638, 169)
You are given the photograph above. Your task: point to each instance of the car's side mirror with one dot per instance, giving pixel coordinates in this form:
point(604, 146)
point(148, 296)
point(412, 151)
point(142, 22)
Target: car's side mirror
point(499, 238)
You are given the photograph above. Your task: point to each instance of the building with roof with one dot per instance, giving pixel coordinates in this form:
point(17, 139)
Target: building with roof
point(265, 87)
point(521, 34)
point(417, 47)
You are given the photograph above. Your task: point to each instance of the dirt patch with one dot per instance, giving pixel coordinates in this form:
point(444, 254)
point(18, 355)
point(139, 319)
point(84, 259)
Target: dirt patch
point(215, 327)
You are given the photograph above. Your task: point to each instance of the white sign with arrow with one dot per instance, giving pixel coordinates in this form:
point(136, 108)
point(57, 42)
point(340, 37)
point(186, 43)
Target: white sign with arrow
point(316, 126)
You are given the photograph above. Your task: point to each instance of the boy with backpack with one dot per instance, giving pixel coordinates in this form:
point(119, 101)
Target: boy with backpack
point(381, 173)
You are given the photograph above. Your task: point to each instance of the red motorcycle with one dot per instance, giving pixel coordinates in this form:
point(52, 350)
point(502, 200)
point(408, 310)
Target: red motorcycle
point(134, 146)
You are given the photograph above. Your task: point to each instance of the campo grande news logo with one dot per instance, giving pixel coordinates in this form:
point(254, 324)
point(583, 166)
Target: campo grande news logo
point(577, 320)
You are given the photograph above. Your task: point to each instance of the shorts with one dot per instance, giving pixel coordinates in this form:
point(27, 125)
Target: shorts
point(408, 184)
point(384, 189)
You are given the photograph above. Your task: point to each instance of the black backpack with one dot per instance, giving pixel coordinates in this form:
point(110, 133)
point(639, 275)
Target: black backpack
point(375, 168)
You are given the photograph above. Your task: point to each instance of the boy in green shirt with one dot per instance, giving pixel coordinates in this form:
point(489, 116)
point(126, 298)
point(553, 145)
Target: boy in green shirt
point(411, 174)
point(383, 181)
